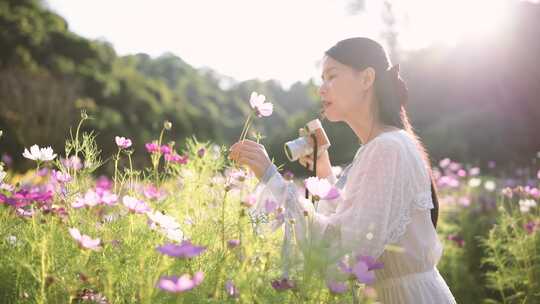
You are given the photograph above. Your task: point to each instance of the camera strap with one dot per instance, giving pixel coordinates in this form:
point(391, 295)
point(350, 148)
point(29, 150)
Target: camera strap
point(315, 157)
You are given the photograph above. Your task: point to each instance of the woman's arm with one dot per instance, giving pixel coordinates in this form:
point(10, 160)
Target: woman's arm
point(370, 213)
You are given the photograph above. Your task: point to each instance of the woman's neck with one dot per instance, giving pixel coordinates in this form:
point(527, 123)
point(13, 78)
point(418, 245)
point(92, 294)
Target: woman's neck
point(367, 129)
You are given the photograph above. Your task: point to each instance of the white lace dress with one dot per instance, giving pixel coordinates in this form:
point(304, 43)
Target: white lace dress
point(385, 199)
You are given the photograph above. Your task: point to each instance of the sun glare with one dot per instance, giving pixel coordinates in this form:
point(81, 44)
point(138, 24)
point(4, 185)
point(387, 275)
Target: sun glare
point(448, 22)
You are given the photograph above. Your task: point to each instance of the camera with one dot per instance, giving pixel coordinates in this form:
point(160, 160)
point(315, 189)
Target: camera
point(303, 145)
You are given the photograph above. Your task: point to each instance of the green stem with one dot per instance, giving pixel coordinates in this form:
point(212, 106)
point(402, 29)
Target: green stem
point(77, 137)
point(130, 227)
point(353, 292)
point(250, 121)
point(116, 169)
point(245, 127)
point(130, 172)
point(43, 272)
point(223, 222)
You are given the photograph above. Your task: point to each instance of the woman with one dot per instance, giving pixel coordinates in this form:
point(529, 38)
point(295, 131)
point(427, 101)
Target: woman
point(387, 194)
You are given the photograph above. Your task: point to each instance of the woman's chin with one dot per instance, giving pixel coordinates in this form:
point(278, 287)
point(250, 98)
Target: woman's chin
point(331, 117)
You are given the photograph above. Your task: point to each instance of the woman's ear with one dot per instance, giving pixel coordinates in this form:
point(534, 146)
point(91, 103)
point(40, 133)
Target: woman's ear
point(368, 77)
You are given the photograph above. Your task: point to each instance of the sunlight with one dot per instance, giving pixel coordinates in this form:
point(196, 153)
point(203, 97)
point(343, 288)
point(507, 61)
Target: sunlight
point(449, 22)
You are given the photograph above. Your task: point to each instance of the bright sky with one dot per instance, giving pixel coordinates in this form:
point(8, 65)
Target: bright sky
point(272, 39)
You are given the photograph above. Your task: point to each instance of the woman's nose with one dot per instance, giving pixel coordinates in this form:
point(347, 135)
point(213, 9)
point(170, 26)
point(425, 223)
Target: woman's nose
point(322, 90)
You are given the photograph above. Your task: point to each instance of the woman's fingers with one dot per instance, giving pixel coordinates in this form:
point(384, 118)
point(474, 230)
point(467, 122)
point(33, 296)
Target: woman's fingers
point(242, 148)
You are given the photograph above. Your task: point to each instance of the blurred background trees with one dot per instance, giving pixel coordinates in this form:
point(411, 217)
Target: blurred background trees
point(475, 103)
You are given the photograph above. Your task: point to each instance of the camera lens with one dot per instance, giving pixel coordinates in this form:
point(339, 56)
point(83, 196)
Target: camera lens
point(297, 148)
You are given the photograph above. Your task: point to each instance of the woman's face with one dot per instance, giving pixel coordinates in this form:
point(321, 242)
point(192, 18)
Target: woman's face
point(342, 90)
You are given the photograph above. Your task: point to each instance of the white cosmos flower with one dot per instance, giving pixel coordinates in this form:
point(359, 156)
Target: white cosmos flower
point(257, 102)
point(526, 204)
point(39, 154)
point(162, 220)
point(489, 185)
point(475, 182)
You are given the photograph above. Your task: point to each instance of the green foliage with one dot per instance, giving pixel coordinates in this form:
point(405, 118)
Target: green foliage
point(42, 263)
point(514, 256)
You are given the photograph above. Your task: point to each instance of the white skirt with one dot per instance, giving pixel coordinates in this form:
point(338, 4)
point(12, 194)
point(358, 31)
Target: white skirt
point(417, 288)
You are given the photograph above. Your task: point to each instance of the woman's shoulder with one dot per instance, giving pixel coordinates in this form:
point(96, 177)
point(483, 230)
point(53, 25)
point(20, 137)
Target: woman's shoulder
point(391, 141)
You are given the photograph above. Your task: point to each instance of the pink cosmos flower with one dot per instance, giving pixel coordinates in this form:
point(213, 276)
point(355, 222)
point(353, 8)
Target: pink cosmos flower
point(233, 243)
point(73, 162)
point(61, 177)
point(7, 159)
point(337, 287)
point(532, 226)
point(108, 198)
point(152, 192)
point(134, 205)
point(444, 162)
point(474, 171)
point(90, 199)
point(103, 183)
point(321, 188)
point(24, 212)
point(249, 200)
point(122, 142)
point(230, 289)
point(457, 239)
point(183, 283)
point(184, 250)
point(84, 241)
point(538, 174)
point(363, 269)
point(175, 158)
point(262, 108)
point(152, 147)
point(165, 149)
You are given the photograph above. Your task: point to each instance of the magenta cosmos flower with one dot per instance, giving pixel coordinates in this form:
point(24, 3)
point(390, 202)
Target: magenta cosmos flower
point(262, 108)
point(183, 283)
point(175, 158)
point(152, 147)
point(321, 188)
point(165, 149)
point(84, 241)
point(134, 205)
point(122, 142)
point(184, 250)
point(363, 269)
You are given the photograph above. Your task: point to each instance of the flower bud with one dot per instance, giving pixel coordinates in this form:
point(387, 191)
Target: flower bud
point(167, 125)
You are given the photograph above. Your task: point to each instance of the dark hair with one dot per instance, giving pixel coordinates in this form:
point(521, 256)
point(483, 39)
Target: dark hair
point(390, 91)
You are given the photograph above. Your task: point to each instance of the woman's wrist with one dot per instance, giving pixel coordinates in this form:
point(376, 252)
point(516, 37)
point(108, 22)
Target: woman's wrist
point(268, 173)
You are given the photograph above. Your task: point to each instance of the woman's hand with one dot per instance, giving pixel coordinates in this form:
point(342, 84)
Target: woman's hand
point(251, 154)
point(324, 167)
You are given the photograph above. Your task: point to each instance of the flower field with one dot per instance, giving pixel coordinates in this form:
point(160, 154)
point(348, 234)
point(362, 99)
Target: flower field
point(180, 231)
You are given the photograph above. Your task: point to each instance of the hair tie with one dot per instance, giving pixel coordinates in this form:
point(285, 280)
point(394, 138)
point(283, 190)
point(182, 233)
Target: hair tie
point(399, 85)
